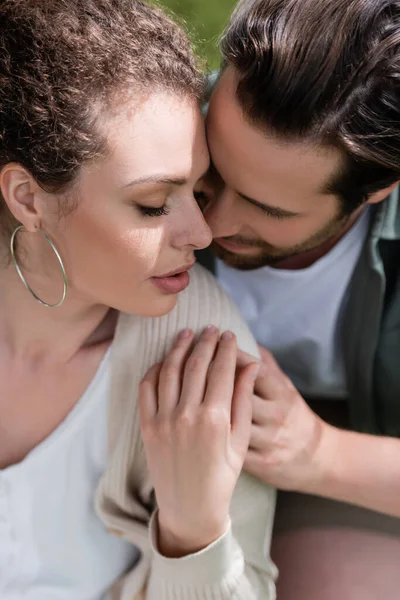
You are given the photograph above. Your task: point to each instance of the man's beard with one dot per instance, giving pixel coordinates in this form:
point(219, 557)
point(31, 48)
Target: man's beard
point(269, 255)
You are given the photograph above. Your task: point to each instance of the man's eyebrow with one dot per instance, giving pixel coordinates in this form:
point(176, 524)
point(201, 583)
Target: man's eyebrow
point(273, 211)
point(163, 179)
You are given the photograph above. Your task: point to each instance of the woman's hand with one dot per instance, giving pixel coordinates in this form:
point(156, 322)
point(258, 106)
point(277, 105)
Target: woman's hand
point(195, 413)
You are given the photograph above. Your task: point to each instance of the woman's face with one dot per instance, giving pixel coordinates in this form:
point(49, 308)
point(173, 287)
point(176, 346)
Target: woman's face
point(137, 218)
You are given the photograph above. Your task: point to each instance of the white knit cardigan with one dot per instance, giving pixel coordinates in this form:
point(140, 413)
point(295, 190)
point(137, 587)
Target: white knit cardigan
point(238, 565)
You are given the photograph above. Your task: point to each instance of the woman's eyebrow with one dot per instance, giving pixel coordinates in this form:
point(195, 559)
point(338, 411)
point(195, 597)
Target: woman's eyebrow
point(162, 178)
point(157, 179)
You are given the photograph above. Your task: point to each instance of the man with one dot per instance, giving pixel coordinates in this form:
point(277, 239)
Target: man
point(304, 132)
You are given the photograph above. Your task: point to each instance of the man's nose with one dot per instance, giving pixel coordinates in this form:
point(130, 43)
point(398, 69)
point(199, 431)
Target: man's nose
point(222, 215)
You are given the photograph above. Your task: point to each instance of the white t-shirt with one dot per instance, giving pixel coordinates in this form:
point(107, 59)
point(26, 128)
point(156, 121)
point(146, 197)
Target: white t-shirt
point(297, 313)
point(52, 544)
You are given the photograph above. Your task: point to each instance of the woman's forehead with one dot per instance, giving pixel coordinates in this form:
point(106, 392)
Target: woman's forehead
point(164, 137)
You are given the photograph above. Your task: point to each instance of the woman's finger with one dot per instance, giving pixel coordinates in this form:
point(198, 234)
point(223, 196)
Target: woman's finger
point(197, 368)
point(253, 463)
point(170, 380)
point(221, 378)
point(241, 413)
point(147, 398)
point(244, 358)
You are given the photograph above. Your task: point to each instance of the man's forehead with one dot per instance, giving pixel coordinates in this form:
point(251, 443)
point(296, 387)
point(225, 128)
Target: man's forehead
point(252, 159)
point(224, 91)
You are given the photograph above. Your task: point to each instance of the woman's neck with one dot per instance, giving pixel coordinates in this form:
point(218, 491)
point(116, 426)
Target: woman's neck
point(34, 333)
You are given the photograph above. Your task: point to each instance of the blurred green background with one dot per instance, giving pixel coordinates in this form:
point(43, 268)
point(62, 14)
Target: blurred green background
point(205, 20)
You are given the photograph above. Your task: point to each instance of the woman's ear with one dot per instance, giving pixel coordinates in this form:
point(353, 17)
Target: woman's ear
point(382, 194)
point(19, 190)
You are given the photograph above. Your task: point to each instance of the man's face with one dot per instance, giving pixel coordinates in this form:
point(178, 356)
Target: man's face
point(268, 200)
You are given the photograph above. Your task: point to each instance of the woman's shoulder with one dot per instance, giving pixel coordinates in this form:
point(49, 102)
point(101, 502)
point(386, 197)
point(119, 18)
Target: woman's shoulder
point(203, 303)
point(205, 291)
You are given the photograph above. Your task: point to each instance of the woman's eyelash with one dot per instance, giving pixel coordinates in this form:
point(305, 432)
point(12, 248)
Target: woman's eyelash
point(148, 211)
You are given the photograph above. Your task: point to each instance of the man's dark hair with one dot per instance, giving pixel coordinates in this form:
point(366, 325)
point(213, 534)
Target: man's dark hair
point(63, 62)
point(327, 72)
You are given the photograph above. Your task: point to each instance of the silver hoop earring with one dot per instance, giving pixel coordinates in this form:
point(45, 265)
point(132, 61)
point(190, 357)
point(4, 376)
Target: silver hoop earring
point(60, 262)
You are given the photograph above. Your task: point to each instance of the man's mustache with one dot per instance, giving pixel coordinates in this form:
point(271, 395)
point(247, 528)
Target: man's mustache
point(242, 241)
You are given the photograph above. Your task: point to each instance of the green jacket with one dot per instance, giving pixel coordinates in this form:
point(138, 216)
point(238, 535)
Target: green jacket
point(371, 325)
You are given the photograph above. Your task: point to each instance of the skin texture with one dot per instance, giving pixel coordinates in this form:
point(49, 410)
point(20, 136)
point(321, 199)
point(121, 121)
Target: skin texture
point(296, 221)
point(110, 251)
point(187, 403)
point(291, 448)
point(165, 138)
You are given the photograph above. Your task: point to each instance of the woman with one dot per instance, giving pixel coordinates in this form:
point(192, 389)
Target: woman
point(102, 154)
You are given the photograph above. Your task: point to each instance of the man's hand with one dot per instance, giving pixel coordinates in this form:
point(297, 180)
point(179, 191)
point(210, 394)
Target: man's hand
point(292, 448)
point(286, 434)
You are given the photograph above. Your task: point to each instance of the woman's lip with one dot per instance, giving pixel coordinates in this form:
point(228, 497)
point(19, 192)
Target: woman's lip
point(176, 272)
point(175, 281)
point(173, 284)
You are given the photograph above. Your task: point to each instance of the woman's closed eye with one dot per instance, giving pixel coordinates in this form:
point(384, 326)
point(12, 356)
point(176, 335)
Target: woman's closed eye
point(151, 211)
point(159, 211)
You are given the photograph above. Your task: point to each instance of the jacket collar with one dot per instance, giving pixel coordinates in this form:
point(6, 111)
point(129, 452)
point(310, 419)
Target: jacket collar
point(386, 223)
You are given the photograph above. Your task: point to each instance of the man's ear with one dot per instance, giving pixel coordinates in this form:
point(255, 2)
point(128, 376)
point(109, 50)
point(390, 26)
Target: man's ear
point(382, 194)
point(19, 190)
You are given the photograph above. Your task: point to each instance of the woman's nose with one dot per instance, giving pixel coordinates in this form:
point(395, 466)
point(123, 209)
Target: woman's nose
point(196, 233)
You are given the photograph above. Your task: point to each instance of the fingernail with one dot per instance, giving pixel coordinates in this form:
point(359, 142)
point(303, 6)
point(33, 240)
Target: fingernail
point(184, 334)
point(227, 335)
point(210, 330)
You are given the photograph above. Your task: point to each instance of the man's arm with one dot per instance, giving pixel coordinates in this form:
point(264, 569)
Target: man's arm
point(360, 469)
point(292, 448)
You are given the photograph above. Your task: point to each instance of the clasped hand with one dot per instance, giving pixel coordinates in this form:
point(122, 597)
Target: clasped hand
point(286, 443)
point(204, 418)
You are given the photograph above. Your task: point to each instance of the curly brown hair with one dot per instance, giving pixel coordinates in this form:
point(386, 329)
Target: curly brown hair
point(62, 61)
